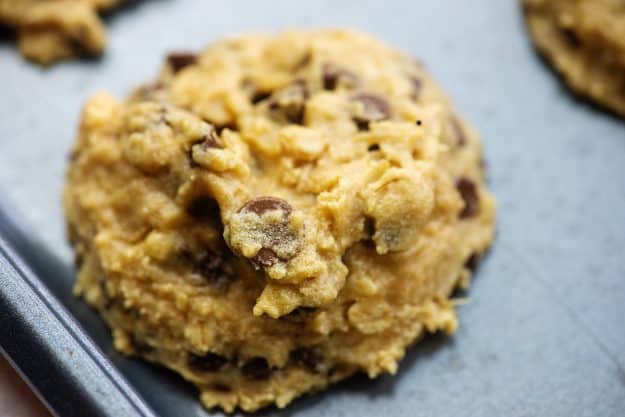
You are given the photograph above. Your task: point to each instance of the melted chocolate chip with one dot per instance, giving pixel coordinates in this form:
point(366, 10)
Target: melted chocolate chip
point(265, 258)
point(468, 192)
point(375, 108)
point(373, 147)
point(210, 362)
point(180, 60)
point(261, 205)
point(333, 76)
point(308, 358)
point(290, 102)
point(256, 368)
point(472, 261)
point(204, 208)
point(417, 87)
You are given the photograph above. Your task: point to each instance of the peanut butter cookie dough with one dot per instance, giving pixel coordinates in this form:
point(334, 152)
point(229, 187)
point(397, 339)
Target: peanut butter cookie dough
point(277, 213)
point(51, 30)
point(585, 41)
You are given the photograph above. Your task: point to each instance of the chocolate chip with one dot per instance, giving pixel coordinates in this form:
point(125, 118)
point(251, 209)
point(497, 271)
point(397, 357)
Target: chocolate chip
point(333, 76)
point(290, 102)
point(472, 261)
point(210, 362)
point(373, 147)
point(468, 192)
point(461, 138)
point(180, 60)
point(256, 368)
point(417, 87)
point(265, 258)
point(274, 234)
point(374, 109)
point(261, 205)
point(204, 208)
point(308, 358)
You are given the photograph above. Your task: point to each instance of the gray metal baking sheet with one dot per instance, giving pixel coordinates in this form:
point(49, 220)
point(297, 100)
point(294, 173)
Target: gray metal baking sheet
point(544, 332)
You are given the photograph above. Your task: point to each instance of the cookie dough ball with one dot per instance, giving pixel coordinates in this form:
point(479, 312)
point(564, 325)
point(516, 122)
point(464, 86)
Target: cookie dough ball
point(585, 41)
point(49, 31)
point(277, 213)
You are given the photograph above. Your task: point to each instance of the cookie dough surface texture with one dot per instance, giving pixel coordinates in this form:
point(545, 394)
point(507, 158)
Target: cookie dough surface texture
point(585, 41)
point(277, 213)
point(51, 30)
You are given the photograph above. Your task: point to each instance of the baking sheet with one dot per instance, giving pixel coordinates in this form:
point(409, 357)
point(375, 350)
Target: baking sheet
point(544, 333)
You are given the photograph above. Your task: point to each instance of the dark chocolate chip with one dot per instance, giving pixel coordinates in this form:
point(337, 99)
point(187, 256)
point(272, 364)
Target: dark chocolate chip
point(204, 208)
point(261, 205)
point(417, 87)
point(308, 358)
point(375, 108)
point(290, 102)
point(373, 147)
point(180, 60)
point(418, 122)
point(265, 258)
point(333, 75)
point(469, 193)
point(472, 261)
point(256, 368)
point(461, 138)
point(210, 362)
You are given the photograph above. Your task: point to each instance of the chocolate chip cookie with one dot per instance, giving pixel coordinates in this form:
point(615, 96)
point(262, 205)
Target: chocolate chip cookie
point(277, 213)
point(51, 30)
point(585, 41)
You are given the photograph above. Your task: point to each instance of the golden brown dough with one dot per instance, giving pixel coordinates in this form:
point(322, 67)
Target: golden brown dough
point(52, 30)
point(277, 213)
point(585, 41)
